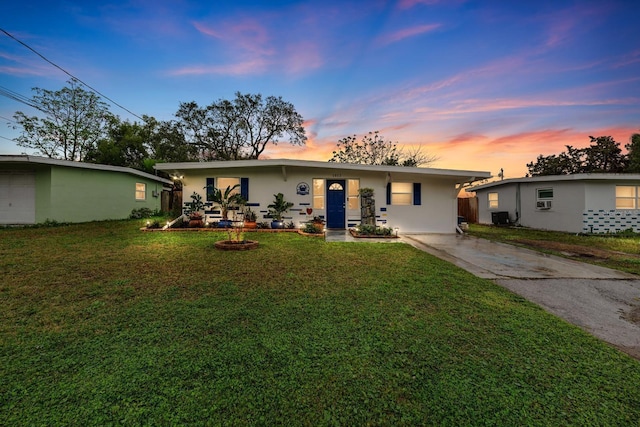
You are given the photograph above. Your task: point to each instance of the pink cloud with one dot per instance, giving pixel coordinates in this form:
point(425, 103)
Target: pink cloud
point(406, 33)
point(236, 69)
point(303, 56)
point(408, 4)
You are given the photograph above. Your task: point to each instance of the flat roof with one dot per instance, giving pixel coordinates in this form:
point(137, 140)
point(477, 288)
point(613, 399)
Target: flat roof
point(23, 158)
point(561, 178)
point(462, 175)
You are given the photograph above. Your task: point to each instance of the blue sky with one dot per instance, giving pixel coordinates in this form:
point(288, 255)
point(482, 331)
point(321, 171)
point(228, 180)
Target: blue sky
point(483, 85)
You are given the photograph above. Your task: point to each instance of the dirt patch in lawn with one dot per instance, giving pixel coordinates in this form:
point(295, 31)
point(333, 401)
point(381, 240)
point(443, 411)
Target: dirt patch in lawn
point(574, 251)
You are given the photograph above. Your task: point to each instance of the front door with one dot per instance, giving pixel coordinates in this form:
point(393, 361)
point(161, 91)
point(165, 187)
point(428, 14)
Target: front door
point(335, 203)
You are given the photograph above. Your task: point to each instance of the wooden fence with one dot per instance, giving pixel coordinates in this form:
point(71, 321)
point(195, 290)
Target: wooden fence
point(468, 208)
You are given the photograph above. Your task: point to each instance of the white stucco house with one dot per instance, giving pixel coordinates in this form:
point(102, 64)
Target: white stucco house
point(407, 198)
point(580, 203)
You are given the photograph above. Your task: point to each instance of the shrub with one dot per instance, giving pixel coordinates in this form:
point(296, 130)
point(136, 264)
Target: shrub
point(141, 213)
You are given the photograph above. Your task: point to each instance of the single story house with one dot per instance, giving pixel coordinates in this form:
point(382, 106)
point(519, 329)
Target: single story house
point(407, 198)
point(580, 203)
point(36, 189)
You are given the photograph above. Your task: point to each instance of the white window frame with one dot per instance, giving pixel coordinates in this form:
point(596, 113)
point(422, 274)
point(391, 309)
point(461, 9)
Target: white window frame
point(544, 203)
point(141, 191)
point(634, 198)
point(353, 197)
point(493, 203)
point(402, 194)
point(223, 187)
point(318, 189)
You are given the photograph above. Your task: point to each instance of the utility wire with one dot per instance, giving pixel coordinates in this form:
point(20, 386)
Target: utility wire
point(4, 137)
point(69, 74)
point(7, 118)
point(17, 97)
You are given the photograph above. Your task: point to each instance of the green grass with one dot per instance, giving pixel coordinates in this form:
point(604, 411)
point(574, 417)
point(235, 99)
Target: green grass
point(102, 324)
point(623, 250)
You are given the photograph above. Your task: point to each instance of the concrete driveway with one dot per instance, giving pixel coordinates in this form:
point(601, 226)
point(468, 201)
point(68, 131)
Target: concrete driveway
point(601, 301)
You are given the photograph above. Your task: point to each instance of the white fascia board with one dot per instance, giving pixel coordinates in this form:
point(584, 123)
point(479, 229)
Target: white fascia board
point(82, 165)
point(619, 177)
point(461, 175)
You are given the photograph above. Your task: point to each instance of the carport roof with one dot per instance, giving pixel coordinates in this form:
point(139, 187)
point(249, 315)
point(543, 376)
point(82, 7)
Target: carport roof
point(22, 159)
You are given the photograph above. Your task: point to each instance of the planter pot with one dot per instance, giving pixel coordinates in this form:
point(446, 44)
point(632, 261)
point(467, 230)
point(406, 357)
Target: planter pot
point(224, 223)
point(319, 226)
point(277, 224)
point(233, 245)
point(196, 223)
point(250, 225)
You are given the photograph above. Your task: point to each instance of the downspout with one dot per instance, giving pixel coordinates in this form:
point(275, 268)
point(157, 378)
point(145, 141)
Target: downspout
point(518, 204)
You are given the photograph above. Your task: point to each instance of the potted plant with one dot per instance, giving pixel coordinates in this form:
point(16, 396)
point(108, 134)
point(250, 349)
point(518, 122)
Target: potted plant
point(277, 209)
point(193, 210)
point(250, 219)
point(318, 223)
point(226, 200)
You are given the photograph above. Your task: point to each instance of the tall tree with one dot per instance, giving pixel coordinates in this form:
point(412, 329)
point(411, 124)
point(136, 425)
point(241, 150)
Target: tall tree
point(374, 149)
point(602, 156)
point(74, 121)
point(633, 154)
point(124, 145)
point(241, 128)
point(167, 143)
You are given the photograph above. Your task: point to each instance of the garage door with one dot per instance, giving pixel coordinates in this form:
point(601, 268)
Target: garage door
point(17, 197)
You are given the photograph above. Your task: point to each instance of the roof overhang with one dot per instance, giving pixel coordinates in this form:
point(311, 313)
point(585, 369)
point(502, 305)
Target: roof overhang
point(26, 159)
point(459, 176)
point(578, 177)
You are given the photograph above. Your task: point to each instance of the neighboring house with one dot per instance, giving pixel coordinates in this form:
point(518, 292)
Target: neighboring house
point(36, 189)
point(407, 198)
point(580, 203)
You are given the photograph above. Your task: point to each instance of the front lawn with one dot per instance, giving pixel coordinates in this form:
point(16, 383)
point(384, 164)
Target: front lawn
point(102, 324)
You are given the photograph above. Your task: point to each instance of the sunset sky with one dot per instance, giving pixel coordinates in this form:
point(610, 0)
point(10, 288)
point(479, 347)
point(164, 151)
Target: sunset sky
point(483, 85)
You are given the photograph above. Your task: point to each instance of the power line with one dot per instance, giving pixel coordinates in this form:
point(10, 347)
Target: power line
point(18, 97)
point(69, 74)
point(4, 137)
point(7, 118)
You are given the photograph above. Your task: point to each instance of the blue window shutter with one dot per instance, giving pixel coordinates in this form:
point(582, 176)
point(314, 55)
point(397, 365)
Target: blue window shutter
point(388, 193)
point(210, 187)
point(417, 196)
point(244, 188)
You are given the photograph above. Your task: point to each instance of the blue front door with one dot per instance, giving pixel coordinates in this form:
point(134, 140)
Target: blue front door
point(335, 203)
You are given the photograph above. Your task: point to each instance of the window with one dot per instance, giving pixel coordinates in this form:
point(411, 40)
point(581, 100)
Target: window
point(544, 198)
point(493, 200)
point(141, 191)
point(318, 194)
point(404, 193)
point(627, 197)
point(223, 183)
point(401, 193)
point(353, 185)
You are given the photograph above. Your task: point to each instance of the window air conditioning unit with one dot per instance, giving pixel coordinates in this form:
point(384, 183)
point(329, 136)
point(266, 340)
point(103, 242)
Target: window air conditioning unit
point(543, 205)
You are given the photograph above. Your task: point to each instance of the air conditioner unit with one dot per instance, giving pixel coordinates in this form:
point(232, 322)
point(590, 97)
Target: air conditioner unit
point(543, 205)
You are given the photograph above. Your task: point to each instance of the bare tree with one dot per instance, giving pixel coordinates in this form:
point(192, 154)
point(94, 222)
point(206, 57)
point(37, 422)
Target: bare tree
point(374, 149)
